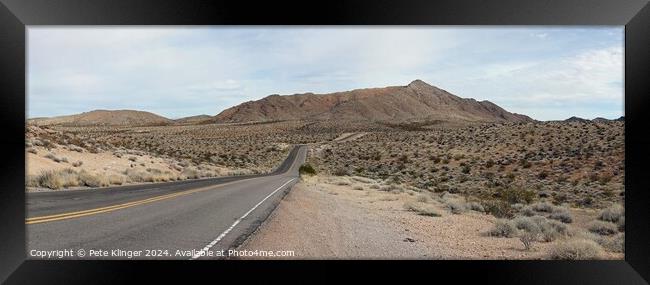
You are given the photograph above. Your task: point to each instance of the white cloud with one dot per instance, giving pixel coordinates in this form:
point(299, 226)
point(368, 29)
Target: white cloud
point(188, 71)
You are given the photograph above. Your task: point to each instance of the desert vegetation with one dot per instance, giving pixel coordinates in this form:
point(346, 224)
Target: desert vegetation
point(551, 186)
point(581, 164)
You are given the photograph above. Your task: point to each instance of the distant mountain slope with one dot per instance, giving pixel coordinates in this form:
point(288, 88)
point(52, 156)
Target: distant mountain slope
point(576, 119)
point(194, 119)
point(106, 118)
point(417, 101)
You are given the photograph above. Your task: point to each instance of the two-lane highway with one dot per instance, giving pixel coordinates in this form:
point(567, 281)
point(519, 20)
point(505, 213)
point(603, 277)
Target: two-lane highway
point(175, 220)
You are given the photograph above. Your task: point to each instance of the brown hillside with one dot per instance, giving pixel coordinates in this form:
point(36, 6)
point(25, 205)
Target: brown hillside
point(106, 118)
point(417, 101)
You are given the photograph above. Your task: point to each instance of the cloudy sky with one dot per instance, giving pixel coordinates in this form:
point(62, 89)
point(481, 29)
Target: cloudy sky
point(546, 73)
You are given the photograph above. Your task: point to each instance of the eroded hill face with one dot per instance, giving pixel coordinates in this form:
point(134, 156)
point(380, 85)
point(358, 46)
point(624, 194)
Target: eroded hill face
point(417, 101)
point(106, 118)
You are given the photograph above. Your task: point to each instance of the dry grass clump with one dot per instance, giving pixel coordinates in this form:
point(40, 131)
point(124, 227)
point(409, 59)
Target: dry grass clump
point(562, 216)
point(422, 198)
point(91, 180)
point(546, 230)
point(528, 238)
point(393, 188)
point(612, 214)
point(475, 206)
point(544, 207)
point(602, 228)
point(57, 179)
point(421, 209)
point(576, 249)
point(114, 179)
point(56, 158)
point(503, 228)
point(190, 173)
point(613, 244)
point(549, 210)
point(498, 208)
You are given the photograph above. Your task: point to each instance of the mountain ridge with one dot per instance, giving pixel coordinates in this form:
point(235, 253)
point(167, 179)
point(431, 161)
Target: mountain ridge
point(416, 101)
point(102, 117)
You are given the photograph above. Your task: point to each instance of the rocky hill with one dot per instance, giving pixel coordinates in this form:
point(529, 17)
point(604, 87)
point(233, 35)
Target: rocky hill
point(105, 118)
point(417, 101)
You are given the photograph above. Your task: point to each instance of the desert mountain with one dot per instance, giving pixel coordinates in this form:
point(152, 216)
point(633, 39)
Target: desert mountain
point(417, 101)
point(106, 118)
point(576, 119)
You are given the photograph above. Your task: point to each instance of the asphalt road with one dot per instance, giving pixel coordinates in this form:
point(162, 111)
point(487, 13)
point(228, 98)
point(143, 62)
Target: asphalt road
point(196, 219)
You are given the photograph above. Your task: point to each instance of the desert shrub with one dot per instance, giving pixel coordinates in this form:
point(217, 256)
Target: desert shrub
point(391, 188)
point(498, 208)
point(517, 195)
point(307, 169)
point(503, 228)
point(551, 229)
point(527, 224)
point(613, 244)
point(116, 179)
point(576, 249)
point(53, 157)
point(55, 179)
point(341, 172)
point(527, 211)
point(190, 173)
point(456, 207)
point(528, 238)
point(135, 175)
point(544, 207)
point(374, 186)
point(50, 179)
point(612, 214)
point(474, 206)
point(562, 216)
point(423, 210)
point(91, 180)
point(422, 198)
point(602, 228)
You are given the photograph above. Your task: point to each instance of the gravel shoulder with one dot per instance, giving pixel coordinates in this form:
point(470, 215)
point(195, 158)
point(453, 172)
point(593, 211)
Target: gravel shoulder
point(320, 219)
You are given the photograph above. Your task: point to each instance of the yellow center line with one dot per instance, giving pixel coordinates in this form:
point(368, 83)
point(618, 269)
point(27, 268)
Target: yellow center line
point(76, 214)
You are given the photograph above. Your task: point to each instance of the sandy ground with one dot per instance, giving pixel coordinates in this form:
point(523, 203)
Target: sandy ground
point(106, 163)
point(94, 162)
point(320, 219)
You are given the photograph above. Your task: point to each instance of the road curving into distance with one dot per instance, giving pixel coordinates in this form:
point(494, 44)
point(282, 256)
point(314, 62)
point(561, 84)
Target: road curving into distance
point(192, 219)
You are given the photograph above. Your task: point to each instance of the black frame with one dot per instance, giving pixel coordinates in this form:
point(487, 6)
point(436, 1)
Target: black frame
point(634, 14)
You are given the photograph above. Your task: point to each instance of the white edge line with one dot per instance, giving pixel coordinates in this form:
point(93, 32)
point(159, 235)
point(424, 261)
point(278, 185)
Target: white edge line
point(222, 235)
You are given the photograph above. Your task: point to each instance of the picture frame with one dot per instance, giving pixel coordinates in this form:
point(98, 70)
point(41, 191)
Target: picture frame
point(17, 15)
